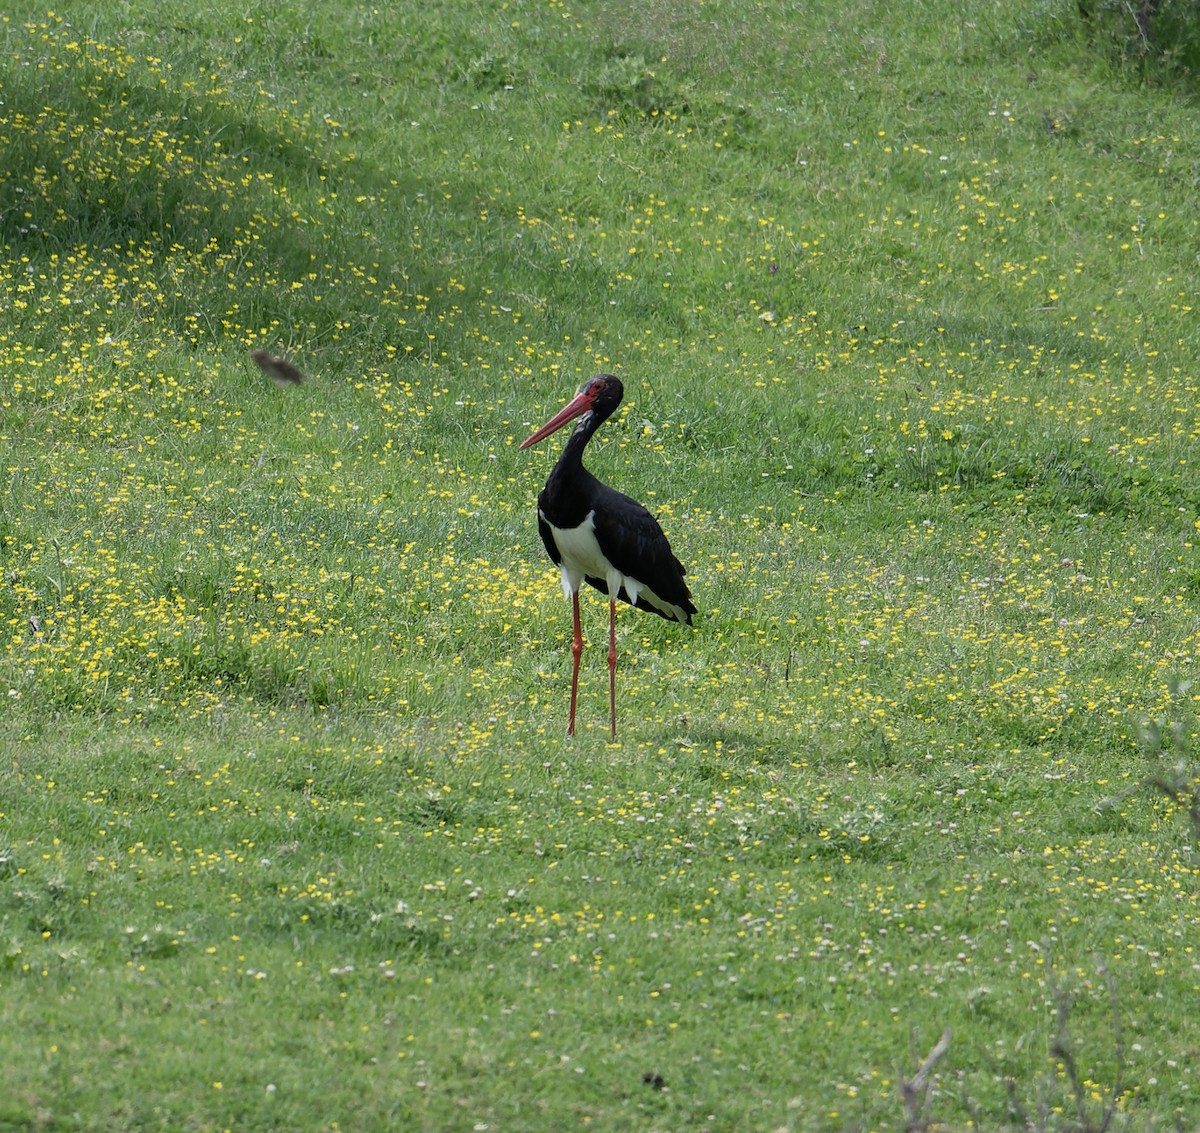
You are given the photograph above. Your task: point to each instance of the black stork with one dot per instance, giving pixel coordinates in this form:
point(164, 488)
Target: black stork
point(598, 535)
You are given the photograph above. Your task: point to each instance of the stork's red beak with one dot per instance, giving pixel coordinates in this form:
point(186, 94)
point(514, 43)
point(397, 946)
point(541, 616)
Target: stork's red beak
point(577, 408)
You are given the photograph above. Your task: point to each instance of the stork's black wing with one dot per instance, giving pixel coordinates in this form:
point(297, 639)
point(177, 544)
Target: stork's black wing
point(632, 540)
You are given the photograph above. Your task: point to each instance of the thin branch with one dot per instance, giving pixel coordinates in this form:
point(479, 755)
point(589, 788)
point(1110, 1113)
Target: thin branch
point(1062, 1048)
point(1118, 1089)
point(914, 1091)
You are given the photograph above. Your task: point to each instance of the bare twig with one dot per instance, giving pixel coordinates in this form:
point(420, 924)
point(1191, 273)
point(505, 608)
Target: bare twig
point(1118, 1089)
point(1062, 1047)
point(1174, 772)
point(1017, 1108)
point(914, 1091)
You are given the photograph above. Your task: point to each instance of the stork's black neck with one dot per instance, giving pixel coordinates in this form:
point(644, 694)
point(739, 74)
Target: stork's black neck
point(601, 411)
point(571, 490)
point(569, 469)
point(583, 432)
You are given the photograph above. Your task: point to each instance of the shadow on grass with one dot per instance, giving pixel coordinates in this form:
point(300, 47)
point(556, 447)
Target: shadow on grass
point(112, 154)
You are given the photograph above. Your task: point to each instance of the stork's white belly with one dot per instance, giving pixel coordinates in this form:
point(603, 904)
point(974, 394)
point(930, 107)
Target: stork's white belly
point(581, 555)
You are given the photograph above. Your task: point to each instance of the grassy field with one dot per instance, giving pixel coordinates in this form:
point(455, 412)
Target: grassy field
point(291, 836)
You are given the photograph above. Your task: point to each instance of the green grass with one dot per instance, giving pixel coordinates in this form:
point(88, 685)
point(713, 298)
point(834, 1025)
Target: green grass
point(291, 836)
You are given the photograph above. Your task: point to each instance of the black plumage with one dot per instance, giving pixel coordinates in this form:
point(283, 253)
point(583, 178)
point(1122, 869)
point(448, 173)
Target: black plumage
point(599, 535)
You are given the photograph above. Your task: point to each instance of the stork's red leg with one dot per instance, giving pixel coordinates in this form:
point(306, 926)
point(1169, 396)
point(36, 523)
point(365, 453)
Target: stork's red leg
point(576, 652)
point(612, 668)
